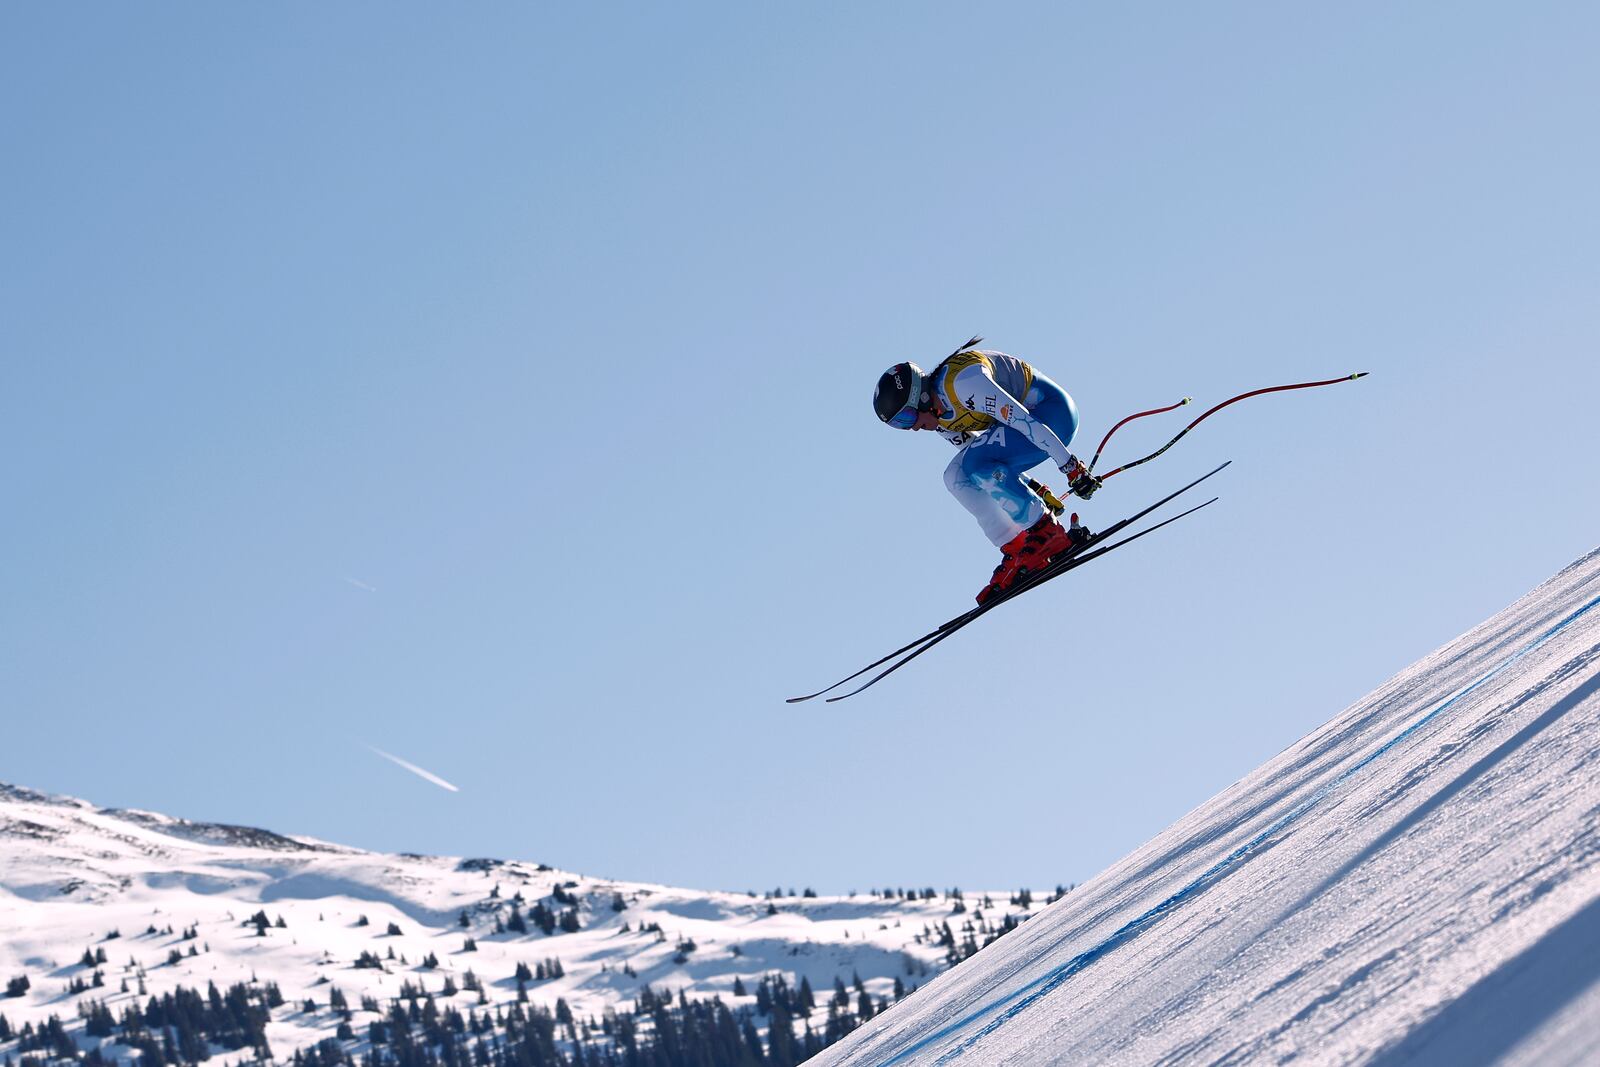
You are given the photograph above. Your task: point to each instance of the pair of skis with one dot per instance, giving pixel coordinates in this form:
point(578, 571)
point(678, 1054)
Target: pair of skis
point(1092, 548)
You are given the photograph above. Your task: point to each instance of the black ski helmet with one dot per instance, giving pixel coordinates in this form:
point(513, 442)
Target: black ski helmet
point(899, 395)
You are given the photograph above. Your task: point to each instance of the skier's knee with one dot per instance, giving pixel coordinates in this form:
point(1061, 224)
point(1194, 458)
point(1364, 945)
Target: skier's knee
point(956, 476)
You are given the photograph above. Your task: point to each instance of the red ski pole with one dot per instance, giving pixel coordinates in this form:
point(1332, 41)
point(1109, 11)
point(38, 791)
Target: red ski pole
point(1130, 418)
point(1219, 407)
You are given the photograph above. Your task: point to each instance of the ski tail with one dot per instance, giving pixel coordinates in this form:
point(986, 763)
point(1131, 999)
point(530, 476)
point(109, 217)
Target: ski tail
point(877, 662)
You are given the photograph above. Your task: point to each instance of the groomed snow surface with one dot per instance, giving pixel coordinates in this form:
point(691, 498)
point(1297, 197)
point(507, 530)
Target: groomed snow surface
point(1414, 883)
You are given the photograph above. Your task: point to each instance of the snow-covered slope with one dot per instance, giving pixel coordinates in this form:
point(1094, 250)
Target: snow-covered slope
point(1416, 882)
point(168, 902)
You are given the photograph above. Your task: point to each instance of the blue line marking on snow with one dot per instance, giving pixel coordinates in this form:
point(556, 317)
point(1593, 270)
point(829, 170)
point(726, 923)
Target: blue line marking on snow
point(1019, 1001)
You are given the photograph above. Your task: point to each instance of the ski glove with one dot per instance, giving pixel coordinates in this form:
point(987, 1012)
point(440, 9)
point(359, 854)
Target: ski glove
point(1079, 480)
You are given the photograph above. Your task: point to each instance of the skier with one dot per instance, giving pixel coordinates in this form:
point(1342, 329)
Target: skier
point(1005, 418)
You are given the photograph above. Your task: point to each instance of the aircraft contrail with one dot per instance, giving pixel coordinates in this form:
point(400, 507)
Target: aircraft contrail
point(414, 769)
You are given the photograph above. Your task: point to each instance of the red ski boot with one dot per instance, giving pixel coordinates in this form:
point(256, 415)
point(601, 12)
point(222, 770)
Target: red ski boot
point(1027, 553)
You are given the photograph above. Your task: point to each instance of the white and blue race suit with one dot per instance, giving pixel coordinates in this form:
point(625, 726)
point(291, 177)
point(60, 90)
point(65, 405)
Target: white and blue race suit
point(1006, 418)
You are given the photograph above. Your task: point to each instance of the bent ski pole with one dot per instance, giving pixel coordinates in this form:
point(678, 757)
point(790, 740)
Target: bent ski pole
point(1130, 418)
point(1225, 403)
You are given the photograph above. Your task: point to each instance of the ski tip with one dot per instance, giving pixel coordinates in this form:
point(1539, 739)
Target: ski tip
point(1186, 400)
point(1358, 374)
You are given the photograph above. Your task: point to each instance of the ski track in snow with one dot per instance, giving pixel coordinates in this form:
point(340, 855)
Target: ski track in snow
point(1024, 998)
point(1400, 872)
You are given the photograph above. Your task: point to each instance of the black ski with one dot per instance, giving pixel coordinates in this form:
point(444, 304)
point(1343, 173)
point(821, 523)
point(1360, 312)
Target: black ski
point(1052, 571)
point(1056, 567)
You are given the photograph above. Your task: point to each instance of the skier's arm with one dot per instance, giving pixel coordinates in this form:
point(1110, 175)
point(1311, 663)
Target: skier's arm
point(989, 399)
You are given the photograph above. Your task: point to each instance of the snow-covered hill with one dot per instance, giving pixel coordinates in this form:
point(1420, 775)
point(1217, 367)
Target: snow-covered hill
point(1416, 882)
point(167, 903)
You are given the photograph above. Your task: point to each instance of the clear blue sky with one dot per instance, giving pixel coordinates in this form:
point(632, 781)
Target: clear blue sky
point(491, 385)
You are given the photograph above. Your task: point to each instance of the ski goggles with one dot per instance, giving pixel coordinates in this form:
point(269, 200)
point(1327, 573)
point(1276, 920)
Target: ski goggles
point(905, 418)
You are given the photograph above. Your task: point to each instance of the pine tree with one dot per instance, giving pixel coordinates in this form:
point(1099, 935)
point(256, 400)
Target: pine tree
point(752, 1052)
point(781, 1050)
point(810, 1044)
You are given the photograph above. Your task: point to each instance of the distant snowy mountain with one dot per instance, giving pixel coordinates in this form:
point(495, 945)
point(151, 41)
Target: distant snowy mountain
point(1418, 882)
point(110, 909)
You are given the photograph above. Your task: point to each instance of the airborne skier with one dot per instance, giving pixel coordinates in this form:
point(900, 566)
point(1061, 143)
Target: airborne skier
point(1005, 418)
